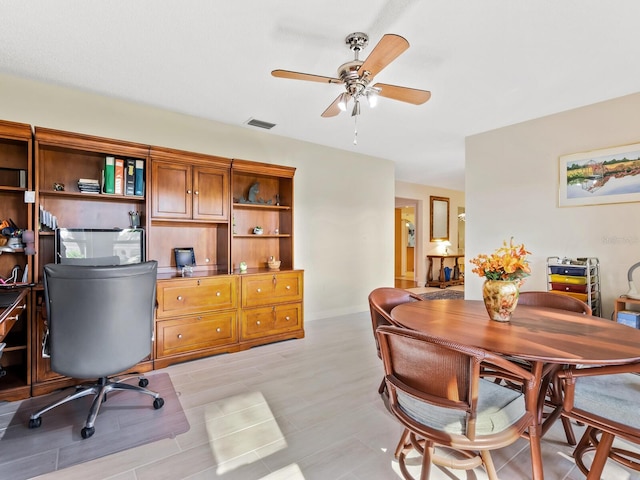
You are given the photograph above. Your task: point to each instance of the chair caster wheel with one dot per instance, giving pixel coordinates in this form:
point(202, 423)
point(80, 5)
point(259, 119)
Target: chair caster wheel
point(158, 403)
point(87, 432)
point(35, 422)
point(143, 383)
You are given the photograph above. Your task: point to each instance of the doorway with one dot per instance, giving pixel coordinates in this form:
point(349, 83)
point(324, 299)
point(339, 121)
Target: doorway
point(406, 241)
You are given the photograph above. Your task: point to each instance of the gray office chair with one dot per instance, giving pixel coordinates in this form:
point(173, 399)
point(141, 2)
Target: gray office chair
point(101, 324)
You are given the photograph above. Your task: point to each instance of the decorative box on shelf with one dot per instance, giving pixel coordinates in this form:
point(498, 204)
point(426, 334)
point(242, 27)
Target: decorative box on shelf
point(576, 277)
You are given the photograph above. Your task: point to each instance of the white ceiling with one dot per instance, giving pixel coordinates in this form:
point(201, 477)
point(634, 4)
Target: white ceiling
point(488, 64)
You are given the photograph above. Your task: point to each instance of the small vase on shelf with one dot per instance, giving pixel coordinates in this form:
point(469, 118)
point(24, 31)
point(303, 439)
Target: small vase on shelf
point(500, 298)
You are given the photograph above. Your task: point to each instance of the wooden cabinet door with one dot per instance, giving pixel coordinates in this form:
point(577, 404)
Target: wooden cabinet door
point(210, 194)
point(171, 190)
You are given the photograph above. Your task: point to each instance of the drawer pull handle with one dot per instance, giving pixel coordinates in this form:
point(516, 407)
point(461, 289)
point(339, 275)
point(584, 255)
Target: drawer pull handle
point(258, 322)
point(189, 192)
point(259, 290)
point(180, 297)
point(218, 329)
point(21, 307)
point(288, 287)
point(218, 294)
point(12, 318)
point(196, 192)
point(179, 335)
point(287, 318)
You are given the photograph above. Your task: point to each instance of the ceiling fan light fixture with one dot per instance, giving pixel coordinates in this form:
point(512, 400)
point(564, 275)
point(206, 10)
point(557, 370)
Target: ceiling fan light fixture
point(372, 97)
point(342, 103)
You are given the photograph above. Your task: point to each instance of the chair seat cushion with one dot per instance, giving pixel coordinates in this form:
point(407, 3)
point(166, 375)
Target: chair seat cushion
point(610, 396)
point(498, 408)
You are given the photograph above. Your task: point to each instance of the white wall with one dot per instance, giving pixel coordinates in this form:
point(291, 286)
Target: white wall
point(421, 194)
point(512, 190)
point(344, 202)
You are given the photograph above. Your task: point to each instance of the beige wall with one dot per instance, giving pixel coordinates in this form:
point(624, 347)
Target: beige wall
point(344, 202)
point(421, 194)
point(512, 190)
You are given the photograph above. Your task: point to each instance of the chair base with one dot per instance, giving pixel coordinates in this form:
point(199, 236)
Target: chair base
point(601, 442)
point(467, 460)
point(100, 389)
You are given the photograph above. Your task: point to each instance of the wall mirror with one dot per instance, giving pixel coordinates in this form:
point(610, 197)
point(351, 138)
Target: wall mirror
point(439, 218)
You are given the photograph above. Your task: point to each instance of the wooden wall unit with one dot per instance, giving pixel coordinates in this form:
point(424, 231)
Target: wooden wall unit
point(16, 178)
point(190, 200)
point(273, 212)
point(189, 208)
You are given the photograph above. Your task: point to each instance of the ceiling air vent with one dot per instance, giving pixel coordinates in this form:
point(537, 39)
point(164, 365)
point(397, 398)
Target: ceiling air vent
point(260, 124)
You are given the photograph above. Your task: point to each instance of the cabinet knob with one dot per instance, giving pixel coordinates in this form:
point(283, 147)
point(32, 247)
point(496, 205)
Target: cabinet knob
point(218, 329)
point(258, 322)
point(189, 192)
point(259, 290)
point(179, 335)
point(180, 297)
point(21, 307)
point(287, 318)
point(218, 294)
point(196, 192)
point(288, 287)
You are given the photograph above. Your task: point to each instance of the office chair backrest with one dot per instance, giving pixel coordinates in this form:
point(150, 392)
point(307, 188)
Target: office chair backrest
point(554, 300)
point(100, 317)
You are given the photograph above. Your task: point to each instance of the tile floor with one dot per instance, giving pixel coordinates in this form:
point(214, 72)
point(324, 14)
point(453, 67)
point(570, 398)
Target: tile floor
point(298, 410)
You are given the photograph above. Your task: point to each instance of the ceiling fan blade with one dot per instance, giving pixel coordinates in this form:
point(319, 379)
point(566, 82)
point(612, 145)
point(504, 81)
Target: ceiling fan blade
point(404, 94)
point(333, 109)
point(385, 52)
point(304, 76)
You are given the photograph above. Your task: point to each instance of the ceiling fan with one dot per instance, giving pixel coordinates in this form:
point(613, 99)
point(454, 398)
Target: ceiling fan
point(357, 75)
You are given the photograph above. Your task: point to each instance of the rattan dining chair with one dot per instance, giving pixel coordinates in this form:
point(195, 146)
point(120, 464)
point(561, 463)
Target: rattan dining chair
point(557, 301)
point(381, 301)
point(437, 394)
point(605, 398)
point(554, 300)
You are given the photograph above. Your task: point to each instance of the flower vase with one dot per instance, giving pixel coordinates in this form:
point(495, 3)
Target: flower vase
point(500, 298)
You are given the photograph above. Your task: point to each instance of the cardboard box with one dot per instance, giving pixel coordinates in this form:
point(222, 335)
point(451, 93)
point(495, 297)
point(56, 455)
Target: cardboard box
point(630, 318)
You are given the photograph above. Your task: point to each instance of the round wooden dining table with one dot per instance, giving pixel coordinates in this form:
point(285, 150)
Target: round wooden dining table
point(545, 337)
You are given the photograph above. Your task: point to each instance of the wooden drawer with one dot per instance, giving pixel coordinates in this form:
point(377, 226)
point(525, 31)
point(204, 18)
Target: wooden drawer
point(270, 288)
point(262, 322)
point(184, 296)
point(195, 333)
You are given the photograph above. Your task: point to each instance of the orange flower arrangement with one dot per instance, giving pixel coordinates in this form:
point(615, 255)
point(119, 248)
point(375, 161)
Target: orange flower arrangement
point(507, 263)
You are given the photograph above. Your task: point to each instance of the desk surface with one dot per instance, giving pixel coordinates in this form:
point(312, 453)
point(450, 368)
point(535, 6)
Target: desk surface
point(534, 333)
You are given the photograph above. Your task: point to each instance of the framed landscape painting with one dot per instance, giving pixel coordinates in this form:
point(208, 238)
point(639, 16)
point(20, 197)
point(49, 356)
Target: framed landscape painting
point(610, 175)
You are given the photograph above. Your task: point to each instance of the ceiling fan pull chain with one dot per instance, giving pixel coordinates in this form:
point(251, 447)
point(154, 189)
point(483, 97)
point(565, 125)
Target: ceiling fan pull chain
point(355, 130)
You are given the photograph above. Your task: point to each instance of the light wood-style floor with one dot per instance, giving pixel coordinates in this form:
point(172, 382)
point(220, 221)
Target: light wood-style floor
point(298, 410)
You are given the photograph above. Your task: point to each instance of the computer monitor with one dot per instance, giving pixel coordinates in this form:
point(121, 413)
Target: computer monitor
point(94, 246)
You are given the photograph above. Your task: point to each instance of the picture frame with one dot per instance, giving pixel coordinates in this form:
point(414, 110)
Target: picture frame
point(596, 177)
point(184, 256)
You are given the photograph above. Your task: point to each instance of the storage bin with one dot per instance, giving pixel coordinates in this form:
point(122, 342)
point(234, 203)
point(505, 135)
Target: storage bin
point(555, 278)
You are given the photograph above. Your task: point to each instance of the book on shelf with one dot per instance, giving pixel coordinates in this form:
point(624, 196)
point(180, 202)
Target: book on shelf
point(88, 185)
point(109, 174)
point(139, 179)
point(118, 182)
point(129, 176)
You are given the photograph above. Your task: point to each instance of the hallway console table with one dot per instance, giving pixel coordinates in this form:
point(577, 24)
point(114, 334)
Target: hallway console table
point(441, 280)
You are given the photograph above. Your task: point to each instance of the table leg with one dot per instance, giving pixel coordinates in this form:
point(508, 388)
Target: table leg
point(429, 272)
point(533, 405)
point(441, 278)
